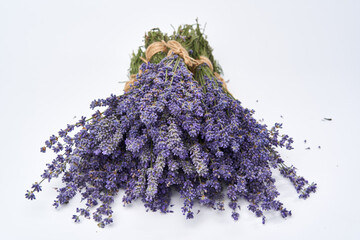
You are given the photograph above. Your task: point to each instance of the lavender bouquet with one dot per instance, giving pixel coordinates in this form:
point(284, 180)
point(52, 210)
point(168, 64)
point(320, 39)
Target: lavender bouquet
point(176, 128)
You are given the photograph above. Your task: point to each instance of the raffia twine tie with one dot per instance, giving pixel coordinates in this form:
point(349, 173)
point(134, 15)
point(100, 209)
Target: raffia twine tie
point(173, 47)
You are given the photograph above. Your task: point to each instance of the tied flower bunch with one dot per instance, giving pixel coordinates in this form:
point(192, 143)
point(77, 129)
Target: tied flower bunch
point(176, 128)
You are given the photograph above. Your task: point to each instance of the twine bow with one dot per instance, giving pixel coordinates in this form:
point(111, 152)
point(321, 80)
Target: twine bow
point(173, 47)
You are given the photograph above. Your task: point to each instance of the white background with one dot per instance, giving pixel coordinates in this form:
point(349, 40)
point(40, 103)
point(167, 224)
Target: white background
point(299, 59)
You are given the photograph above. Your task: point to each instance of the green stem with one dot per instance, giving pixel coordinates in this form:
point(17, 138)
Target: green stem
point(175, 67)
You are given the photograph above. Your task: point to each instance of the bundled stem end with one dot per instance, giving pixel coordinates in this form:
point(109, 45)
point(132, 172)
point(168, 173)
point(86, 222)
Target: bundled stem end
point(190, 42)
